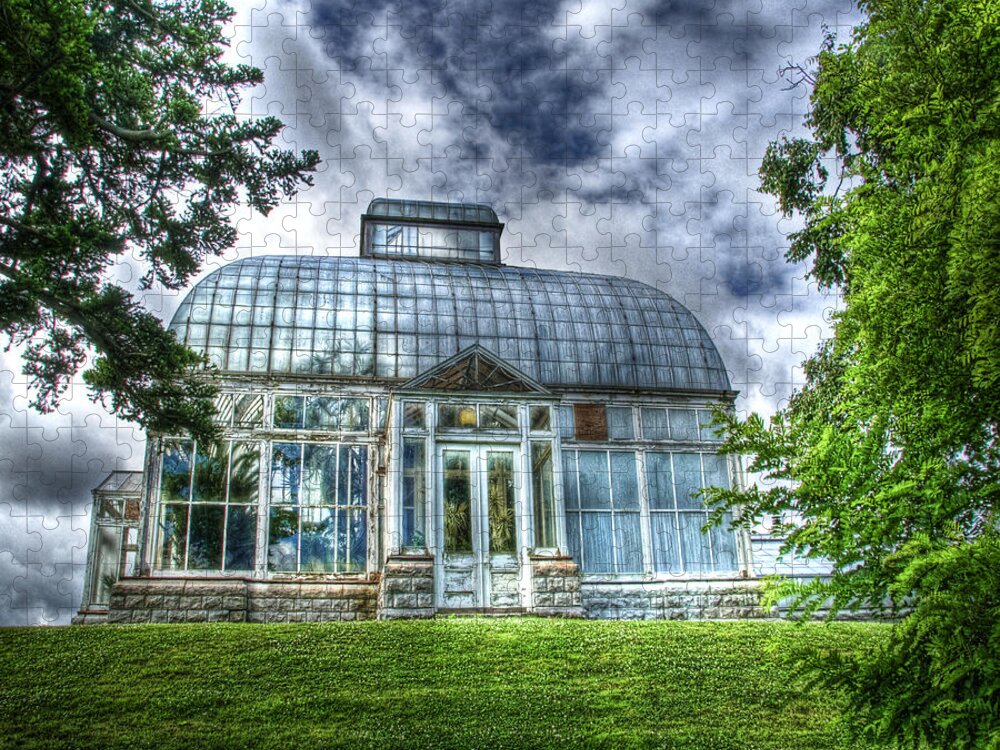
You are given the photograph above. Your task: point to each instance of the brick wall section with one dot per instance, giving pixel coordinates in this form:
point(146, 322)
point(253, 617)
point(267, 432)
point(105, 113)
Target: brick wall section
point(239, 600)
point(668, 600)
point(407, 588)
point(555, 586)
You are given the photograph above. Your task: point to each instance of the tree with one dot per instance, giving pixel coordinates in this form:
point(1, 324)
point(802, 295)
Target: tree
point(888, 457)
point(119, 137)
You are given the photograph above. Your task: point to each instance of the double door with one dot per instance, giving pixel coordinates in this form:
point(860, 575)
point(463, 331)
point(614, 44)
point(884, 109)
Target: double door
point(478, 525)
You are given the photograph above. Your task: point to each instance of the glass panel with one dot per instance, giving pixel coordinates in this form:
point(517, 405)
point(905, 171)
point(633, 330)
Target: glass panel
point(205, 537)
point(498, 417)
point(414, 494)
point(106, 558)
point(566, 425)
point(543, 494)
point(175, 474)
point(624, 483)
point(659, 481)
point(320, 540)
point(319, 475)
point(224, 408)
point(288, 412)
point(456, 416)
point(357, 539)
point(210, 467)
point(654, 424)
point(707, 430)
point(359, 475)
point(354, 414)
point(283, 539)
point(457, 502)
point(541, 420)
point(694, 544)
point(413, 415)
point(628, 541)
point(597, 543)
point(248, 410)
point(716, 470)
point(569, 478)
point(244, 473)
point(286, 472)
point(683, 424)
point(241, 537)
point(724, 546)
point(500, 501)
point(573, 537)
point(322, 413)
point(687, 480)
point(173, 536)
point(595, 488)
point(666, 554)
point(620, 423)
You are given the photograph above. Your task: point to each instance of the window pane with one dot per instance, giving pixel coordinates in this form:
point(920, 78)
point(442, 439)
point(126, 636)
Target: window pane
point(666, 553)
point(566, 423)
point(573, 538)
point(211, 464)
point(319, 540)
point(620, 423)
point(414, 494)
point(659, 481)
point(173, 536)
point(687, 480)
point(694, 544)
point(357, 539)
point(500, 501)
point(248, 410)
point(413, 415)
point(107, 556)
point(543, 494)
point(498, 417)
point(628, 540)
point(597, 543)
point(595, 488)
point(457, 502)
point(319, 475)
point(359, 475)
point(716, 470)
point(541, 420)
point(205, 537)
point(244, 473)
point(453, 416)
point(654, 424)
point(624, 483)
point(683, 424)
point(175, 475)
point(241, 537)
point(724, 546)
point(286, 471)
point(322, 413)
point(569, 478)
point(288, 412)
point(224, 408)
point(707, 430)
point(283, 539)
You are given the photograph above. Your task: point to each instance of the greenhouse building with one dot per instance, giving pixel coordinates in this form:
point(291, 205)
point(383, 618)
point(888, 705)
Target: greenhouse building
point(423, 430)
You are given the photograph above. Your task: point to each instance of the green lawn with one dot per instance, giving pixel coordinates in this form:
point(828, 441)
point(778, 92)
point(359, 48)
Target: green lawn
point(472, 683)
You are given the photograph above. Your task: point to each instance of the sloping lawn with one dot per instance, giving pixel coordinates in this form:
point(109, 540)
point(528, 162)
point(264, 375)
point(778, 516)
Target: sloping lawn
point(470, 683)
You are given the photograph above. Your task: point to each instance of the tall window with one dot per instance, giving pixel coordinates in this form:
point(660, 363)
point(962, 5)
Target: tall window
point(318, 514)
point(602, 510)
point(677, 515)
point(414, 493)
point(208, 505)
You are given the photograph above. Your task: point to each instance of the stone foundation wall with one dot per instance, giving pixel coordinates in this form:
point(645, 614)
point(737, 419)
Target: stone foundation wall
point(556, 590)
point(669, 600)
point(238, 600)
point(407, 587)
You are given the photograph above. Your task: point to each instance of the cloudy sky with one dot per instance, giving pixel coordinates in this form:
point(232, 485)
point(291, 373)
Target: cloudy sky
point(612, 137)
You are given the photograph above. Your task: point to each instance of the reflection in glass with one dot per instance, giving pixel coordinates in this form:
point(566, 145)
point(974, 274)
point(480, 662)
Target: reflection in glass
point(208, 523)
point(500, 501)
point(456, 416)
point(288, 413)
point(543, 495)
point(241, 537)
point(283, 539)
point(286, 470)
point(540, 418)
point(414, 493)
point(319, 540)
point(244, 473)
point(413, 415)
point(175, 473)
point(498, 417)
point(173, 536)
point(457, 502)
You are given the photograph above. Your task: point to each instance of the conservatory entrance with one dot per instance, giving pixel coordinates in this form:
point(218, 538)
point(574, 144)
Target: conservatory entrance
point(479, 507)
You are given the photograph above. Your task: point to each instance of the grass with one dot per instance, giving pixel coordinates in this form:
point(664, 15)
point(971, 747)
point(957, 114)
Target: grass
point(472, 683)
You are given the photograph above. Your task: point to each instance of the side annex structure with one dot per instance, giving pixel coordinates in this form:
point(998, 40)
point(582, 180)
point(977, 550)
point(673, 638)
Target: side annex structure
point(421, 431)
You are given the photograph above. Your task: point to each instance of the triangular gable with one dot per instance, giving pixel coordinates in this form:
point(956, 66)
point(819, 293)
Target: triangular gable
point(475, 369)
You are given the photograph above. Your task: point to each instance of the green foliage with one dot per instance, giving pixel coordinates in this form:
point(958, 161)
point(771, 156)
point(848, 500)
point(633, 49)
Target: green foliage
point(119, 140)
point(893, 440)
point(452, 683)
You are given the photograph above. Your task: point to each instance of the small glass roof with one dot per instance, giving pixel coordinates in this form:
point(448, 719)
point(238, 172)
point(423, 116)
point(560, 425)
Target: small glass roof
point(391, 321)
point(393, 208)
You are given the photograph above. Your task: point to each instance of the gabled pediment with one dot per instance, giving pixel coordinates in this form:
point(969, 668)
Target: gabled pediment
point(475, 369)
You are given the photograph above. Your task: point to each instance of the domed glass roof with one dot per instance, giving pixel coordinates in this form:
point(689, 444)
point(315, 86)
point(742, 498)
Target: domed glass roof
point(392, 320)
